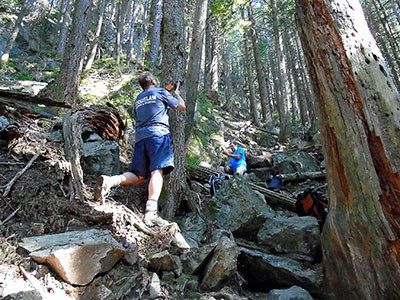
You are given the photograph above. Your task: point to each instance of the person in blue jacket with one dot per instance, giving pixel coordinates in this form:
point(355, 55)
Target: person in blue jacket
point(237, 160)
point(153, 155)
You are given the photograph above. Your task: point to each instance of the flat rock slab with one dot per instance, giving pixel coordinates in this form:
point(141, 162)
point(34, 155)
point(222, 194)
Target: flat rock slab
point(76, 256)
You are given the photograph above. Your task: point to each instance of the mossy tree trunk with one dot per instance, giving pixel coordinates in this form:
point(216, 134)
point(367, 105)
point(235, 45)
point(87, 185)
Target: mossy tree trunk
point(359, 119)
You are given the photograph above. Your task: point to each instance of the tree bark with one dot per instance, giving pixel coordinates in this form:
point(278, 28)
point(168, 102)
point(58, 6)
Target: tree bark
point(226, 60)
point(66, 20)
point(172, 69)
point(95, 42)
point(155, 29)
point(284, 121)
point(211, 78)
point(194, 64)
point(66, 86)
point(262, 83)
point(249, 76)
point(360, 124)
point(122, 9)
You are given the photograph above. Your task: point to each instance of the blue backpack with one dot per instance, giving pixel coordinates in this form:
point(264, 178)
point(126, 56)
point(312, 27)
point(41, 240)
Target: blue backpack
point(215, 182)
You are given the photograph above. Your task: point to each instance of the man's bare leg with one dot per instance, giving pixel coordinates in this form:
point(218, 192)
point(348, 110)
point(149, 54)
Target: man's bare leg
point(151, 217)
point(105, 183)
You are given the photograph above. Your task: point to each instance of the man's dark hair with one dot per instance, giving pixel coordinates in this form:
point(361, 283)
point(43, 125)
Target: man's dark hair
point(145, 79)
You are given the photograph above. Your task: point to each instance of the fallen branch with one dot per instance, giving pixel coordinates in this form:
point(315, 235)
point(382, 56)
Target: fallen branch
point(303, 176)
point(19, 174)
point(10, 216)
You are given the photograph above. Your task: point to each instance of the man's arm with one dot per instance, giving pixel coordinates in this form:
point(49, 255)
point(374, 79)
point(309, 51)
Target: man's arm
point(181, 106)
point(230, 154)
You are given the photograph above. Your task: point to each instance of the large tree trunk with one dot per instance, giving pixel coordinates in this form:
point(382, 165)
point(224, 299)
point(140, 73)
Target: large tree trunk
point(360, 124)
point(173, 68)
point(194, 64)
point(66, 86)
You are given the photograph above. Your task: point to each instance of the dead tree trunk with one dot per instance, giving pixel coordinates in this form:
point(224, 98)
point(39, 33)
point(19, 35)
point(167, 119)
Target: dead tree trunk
point(360, 124)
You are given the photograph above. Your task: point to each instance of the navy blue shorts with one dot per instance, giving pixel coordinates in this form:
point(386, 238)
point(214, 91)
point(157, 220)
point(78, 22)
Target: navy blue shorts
point(153, 153)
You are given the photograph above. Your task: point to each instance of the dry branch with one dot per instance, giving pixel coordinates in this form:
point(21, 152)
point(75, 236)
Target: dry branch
point(10, 216)
point(19, 174)
point(299, 177)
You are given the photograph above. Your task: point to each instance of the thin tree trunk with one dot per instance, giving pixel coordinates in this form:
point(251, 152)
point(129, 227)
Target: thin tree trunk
point(360, 124)
point(262, 84)
point(122, 9)
point(249, 73)
point(155, 29)
point(211, 78)
point(131, 32)
point(173, 68)
point(14, 32)
point(64, 28)
point(284, 124)
point(194, 64)
point(95, 43)
point(226, 60)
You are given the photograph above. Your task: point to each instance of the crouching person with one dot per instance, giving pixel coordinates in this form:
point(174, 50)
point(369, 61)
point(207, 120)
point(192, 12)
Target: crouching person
point(237, 164)
point(153, 155)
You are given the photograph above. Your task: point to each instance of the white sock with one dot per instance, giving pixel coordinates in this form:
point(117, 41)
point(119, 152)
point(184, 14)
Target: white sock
point(151, 205)
point(115, 180)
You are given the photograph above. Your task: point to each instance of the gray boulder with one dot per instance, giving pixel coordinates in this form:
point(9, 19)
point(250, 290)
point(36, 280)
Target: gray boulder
point(222, 266)
point(239, 209)
point(76, 256)
point(294, 293)
point(265, 272)
point(100, 157)
point(298, 236)
point(166, 262)
point(292, 162)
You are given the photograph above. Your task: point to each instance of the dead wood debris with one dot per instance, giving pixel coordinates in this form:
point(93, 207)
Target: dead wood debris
point(19, 174)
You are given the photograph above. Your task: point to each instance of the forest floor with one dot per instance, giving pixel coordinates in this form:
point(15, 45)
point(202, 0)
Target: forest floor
point(35, 200)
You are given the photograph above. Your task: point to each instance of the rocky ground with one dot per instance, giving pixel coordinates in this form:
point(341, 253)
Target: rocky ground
point(35, 201)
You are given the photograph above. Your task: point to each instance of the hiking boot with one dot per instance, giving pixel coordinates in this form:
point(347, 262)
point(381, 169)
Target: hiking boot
point(151, 219)
point(102, 188)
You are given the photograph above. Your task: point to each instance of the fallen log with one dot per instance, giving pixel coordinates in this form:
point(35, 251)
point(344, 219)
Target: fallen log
point(32, 99)
point(303, 176)
point(274, 199)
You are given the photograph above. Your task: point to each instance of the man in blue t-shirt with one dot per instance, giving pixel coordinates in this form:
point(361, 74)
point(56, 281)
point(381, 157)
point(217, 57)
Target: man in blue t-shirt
point(237, 160)
point(153, 156)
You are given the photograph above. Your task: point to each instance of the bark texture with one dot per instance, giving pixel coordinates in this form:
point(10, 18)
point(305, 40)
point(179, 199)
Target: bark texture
point(66, 86)
point(360, 123)
point(194, 64)
point(172, 69)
